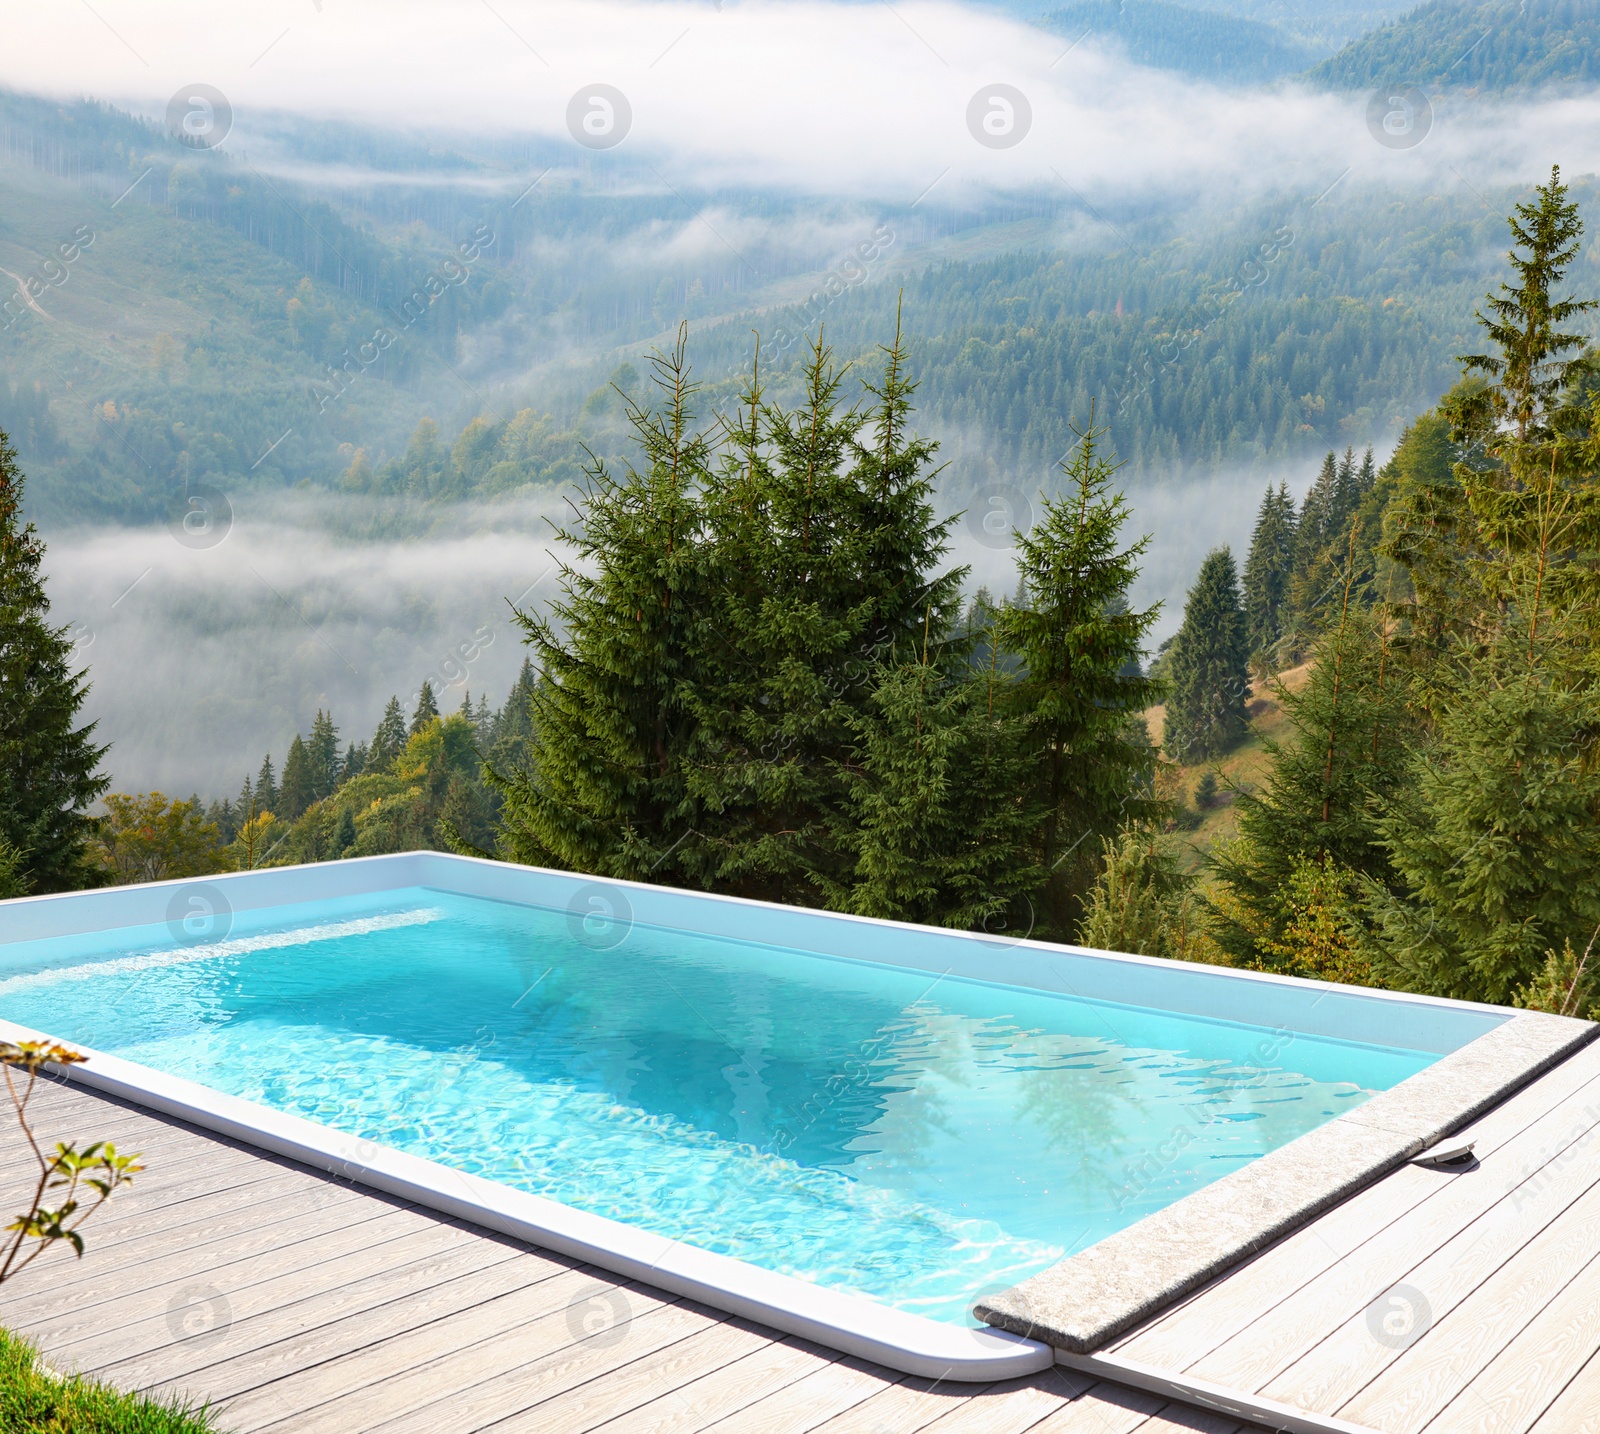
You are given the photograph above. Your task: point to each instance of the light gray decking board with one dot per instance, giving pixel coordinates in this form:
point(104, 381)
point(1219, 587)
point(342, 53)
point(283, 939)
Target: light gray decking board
point(1283, 1333)
point(313, 1367)
point(262, 1224)
point(1104, 1409)
point(120, 1227)
point(906, 1406)
point(1543, 1357)
point(651, 1379)
point(1012, 1407)
point(1481, 1288)
point(1251, 1294)
point(169, 1183)
point(1577, 1408)
point(527, 1343)
point(321, 1251)
point(830, 1389)
point(264, 1313)
point(703, 1401)
point(273, 1336)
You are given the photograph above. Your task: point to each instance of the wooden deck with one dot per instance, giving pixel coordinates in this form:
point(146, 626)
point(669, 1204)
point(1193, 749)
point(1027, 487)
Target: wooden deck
point(293, 1301)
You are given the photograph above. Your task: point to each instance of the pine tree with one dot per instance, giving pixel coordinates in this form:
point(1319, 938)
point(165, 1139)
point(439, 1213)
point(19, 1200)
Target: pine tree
point(427, 707)
point(943, 819)
point(298, 789)
point(245, 803)
point(1143, 901)
point(1269, 569)
point(49, 766)
point(826, 553)
point(1495, 831)
point(266, 787)
point(613, 740)
point(1090, 760)
point(388, 739)
point(1348, 752)
point(344, 834)
point(354, 763)
point(1527, 372)
point(322, 754)
point(1210, 677)
point(1345, 496)
point(509, 732)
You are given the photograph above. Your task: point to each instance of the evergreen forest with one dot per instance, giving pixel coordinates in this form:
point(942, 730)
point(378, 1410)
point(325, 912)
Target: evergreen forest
point(763, 676)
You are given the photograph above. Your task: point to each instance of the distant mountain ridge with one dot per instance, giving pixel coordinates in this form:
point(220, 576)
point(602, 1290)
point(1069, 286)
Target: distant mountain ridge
point(1205, 43)
point(1500, 46)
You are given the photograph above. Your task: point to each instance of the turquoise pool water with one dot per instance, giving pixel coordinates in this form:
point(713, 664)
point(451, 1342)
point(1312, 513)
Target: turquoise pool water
point(916, 1138)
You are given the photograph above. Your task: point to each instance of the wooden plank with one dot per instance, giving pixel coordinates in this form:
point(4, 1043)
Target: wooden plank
point(1577, 1408)
point(702, 1402)
point(1181, 1419)
point(1014, 1406)
point(799, 1407)
point(1103, 1409)
point(170, 1180)
point(528, 1344)
point(1268, 1345)
point(292, 1245)
point(120, 1223)
point(1522, 1381)
point(903, 1407)
point(652, 1379)
point(407, 1271)
point(1481, 1288)
point(292, 1363)
point(323, 1280)
point(1201, 1324)
point(204, 1226)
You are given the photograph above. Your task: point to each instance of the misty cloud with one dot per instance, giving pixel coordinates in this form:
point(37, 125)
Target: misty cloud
point(202, 660)
point(826, 98)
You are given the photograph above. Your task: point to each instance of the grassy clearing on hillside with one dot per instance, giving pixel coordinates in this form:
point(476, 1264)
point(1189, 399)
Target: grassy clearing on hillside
point(1244, 768)
point(35, 1401)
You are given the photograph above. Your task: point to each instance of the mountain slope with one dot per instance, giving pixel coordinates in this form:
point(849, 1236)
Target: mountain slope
point(1507, 45)
point(1203, 43)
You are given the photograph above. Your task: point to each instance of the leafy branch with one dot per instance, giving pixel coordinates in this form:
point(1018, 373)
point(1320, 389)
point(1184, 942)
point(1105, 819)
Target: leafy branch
point(81, 1181)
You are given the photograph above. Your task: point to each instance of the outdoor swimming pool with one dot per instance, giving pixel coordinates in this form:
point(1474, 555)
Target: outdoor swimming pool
point(876, 1119)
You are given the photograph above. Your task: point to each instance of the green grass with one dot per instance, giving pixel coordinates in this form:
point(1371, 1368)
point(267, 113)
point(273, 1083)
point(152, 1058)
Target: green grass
point(34, 1401)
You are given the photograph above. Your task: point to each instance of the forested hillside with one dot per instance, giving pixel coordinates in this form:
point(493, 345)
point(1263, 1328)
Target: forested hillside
point(1201, 42)
point(181, 318)
point(1498, 46)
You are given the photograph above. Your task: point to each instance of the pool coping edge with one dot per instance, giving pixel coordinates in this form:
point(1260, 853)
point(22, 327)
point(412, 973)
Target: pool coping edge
point(1085, 1301)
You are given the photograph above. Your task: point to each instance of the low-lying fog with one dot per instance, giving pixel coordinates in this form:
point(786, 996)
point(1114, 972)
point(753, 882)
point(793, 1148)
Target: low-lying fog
point(203, 659)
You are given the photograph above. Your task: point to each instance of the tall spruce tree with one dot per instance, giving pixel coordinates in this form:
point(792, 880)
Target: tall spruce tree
point(827, 560)
point(945, 820)
point(298, 788)
point(1495, 831)
point(49, 762)
point(1500, 811)
point(322, 754)
point(1208, 667)
point(1090, 764)
point(266, 787)
point(606, 788)
point(1348, 752)
point(510, 731)
point(1269, 569)
point(427, 708)
point(388, 740)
